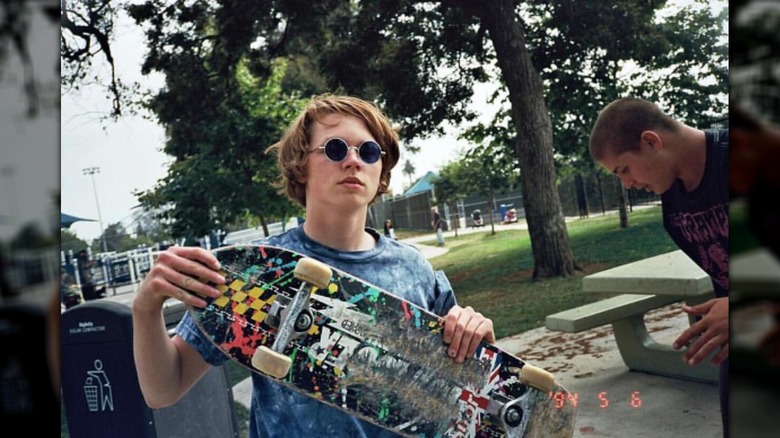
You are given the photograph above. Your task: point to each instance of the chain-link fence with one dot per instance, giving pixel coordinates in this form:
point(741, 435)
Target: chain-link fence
point(580, 195)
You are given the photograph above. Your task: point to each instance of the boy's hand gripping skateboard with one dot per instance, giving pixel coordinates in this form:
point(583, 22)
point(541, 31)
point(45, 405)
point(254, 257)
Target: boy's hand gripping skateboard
point(346, 343)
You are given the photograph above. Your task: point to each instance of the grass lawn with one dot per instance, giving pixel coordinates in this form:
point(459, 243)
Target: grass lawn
point(492, 273)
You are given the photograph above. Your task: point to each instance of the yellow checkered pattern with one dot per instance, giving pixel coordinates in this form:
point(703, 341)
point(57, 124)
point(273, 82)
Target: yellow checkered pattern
point(249, 303)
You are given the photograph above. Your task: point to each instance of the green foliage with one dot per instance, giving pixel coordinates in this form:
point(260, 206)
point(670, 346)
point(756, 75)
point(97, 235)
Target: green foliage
point(32, 236)
point(408, 170)
point(70, 242)
point(450, 185)
point(220, 118)
point(590, 53)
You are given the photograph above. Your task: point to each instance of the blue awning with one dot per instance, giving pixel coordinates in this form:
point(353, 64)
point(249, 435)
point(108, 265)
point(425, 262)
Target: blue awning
point(67, 220)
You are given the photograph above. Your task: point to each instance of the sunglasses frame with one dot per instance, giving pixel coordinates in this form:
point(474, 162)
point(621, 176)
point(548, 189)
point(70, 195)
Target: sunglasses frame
point(356, 148)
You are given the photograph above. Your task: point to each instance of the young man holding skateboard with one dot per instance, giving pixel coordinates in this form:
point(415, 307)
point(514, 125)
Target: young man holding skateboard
point(688, 167)
point(335, 161)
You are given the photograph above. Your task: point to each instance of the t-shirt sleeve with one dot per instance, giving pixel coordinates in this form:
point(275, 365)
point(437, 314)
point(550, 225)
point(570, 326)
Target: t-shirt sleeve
point(444, 297)
point(189, 331)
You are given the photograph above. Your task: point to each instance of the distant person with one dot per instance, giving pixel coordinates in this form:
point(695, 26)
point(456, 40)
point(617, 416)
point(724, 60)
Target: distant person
point(689, 167)
point(86, 277)
point(389, 232)
point(335, 160)
point(438, 226)
point(755, 154)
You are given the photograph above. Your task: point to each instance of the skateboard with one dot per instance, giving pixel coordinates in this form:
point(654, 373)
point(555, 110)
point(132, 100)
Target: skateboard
point(351, 345)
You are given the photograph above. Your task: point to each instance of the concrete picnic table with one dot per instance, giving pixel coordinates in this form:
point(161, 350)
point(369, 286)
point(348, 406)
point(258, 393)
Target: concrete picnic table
point(655, 281)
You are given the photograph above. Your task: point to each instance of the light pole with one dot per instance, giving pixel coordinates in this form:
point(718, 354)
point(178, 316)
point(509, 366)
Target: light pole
point(91, 171)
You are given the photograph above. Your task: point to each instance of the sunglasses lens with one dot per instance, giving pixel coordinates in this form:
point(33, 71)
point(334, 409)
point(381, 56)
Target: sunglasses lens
point(336, 149)
point(370, 152)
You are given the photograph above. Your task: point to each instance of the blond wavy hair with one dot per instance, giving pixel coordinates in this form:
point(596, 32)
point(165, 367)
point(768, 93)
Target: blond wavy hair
point(295, 146)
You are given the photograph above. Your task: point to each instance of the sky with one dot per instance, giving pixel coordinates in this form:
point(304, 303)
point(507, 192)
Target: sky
point(29, 162)
point(128, 152)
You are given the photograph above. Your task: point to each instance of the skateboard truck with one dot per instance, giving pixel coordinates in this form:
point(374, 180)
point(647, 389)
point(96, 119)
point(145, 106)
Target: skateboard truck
point(510, 412)
point(272, 361)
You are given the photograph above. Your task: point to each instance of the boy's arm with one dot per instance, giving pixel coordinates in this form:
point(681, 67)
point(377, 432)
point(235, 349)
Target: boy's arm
point(168, 367)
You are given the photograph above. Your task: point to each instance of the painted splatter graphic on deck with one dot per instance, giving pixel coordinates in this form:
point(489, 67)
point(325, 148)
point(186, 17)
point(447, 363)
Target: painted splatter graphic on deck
point(372, 354)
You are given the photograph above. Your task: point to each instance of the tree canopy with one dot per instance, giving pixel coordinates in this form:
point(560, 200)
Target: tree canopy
point(236, 71)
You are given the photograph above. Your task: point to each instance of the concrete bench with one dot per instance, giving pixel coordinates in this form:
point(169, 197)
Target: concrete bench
point(605, 312)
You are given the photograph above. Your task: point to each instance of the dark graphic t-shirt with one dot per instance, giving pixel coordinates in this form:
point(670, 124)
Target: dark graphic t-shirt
point(698, 221)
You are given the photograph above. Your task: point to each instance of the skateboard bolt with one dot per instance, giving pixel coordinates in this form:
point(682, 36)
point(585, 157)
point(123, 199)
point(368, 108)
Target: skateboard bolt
point(513, 416)
point(303, 322)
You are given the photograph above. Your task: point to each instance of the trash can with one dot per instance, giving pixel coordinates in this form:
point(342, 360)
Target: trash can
point(100, 389)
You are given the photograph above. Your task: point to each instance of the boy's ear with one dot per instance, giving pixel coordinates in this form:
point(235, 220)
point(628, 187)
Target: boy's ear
point(652, 139)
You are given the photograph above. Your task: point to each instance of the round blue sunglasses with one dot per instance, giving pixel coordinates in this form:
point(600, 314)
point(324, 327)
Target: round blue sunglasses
point(336, 149)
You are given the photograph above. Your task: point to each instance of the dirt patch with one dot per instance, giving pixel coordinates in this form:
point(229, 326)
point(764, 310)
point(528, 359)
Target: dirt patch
point(556, 351)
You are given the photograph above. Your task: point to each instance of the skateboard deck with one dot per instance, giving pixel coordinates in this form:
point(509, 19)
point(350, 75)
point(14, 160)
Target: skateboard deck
point(370, 353)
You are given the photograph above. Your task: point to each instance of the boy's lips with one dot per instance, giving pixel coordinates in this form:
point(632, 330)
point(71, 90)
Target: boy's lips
point(351, 180)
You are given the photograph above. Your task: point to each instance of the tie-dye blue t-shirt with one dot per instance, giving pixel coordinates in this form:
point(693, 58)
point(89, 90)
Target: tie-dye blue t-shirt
point(391, 265)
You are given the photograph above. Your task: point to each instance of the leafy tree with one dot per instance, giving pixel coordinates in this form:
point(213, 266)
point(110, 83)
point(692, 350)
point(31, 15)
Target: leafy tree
point(679, 60)
point(221, 171)
point(115, 236)
point(69, 241)
point(409, 170)
point(147, 229)
point(449, 186)
point(490, 170)
point(31, 236)
point(87, 29)
point(418, 59)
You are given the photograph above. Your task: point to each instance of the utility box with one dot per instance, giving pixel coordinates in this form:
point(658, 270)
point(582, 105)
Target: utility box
point(100, 389)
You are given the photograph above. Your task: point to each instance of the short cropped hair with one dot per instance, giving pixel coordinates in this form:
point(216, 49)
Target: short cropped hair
point(620, 124)
point(294, 147)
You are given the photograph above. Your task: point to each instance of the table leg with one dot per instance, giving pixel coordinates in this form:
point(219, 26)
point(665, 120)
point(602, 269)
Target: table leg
point(640, 352)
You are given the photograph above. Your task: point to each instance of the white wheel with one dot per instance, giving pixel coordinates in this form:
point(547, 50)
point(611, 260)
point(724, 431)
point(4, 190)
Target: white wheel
point(313, 272)
point(271, 363)
point(537, 378)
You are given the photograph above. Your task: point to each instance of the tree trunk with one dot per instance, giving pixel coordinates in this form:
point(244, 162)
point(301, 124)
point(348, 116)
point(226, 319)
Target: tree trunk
point(264, 223)
point(533, 145)
point(491, 203)
point(622, 207)
point(455, 218)
point(601, 194)
point(582, 198)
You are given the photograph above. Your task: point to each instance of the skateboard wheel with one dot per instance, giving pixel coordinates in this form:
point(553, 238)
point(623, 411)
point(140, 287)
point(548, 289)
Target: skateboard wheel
point(537, 378)
point(270, 362)
point(313, 272)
